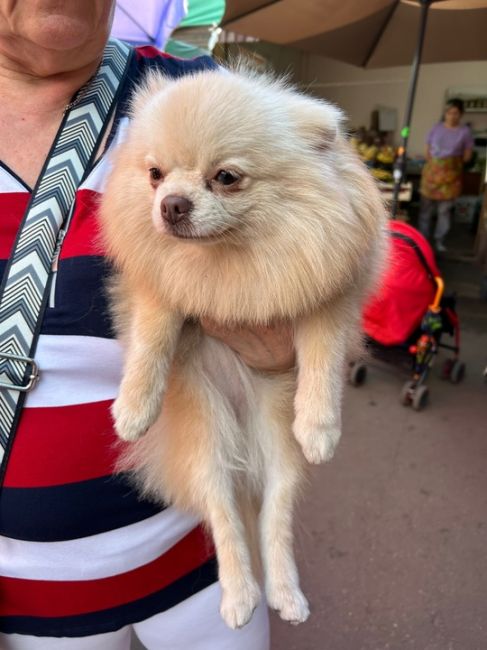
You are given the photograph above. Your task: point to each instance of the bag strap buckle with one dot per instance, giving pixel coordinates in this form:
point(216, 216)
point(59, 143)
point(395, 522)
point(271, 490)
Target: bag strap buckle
point(32, 379)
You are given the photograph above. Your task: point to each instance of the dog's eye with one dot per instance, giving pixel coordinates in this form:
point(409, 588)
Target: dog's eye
point(226, 178)
point(155, 174)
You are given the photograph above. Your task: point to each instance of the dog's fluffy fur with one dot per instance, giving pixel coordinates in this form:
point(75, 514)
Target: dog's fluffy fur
point(284, 222)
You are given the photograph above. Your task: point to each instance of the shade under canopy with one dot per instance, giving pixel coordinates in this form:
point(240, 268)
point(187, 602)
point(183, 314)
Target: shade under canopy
point(371, 33)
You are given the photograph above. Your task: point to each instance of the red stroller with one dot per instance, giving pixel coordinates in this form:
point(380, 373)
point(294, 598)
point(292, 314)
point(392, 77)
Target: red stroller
point(408, 316)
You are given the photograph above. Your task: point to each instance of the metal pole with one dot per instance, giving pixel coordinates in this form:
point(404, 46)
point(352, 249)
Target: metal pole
point(400, 163)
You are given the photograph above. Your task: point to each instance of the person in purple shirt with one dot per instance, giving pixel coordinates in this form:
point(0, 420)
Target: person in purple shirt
point(449, 146)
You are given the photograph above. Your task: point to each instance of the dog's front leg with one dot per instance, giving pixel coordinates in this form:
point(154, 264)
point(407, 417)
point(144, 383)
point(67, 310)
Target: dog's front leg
point(152, 339)
point(321, 341)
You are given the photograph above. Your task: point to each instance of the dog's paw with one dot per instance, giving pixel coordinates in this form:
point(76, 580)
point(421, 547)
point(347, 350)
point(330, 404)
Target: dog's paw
point(130, 423)
point(289, 602)
point(237, 606)
point(318, 442)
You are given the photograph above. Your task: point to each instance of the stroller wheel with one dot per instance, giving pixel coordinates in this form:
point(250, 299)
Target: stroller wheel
point(457, 372)
point(407, 393)
point(358, 374)
point(420, 397)
point(446, 368)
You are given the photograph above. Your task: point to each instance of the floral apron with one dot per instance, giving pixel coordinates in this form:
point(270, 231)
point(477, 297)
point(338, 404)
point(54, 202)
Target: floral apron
point(441, 179)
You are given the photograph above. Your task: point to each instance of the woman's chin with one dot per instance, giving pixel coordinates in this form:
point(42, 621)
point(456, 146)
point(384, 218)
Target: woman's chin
point(62, 33)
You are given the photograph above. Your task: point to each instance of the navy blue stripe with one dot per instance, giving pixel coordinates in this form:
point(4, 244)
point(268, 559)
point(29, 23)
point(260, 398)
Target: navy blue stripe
point(53, 514)
point(80, 312)
point(83, 312)
point(176, 68)
point(110, 620)
point(140, 66)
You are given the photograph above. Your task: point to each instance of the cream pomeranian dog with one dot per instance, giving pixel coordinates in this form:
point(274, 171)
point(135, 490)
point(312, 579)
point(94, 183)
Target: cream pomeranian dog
point(236, 198)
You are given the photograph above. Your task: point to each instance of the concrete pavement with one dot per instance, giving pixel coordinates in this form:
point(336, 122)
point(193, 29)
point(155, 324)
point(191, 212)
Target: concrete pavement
point(392, 534)
point(392, 539)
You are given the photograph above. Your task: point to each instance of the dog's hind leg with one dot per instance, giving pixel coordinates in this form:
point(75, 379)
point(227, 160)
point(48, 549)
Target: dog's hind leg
point(240, 590)
point(219, 472)
point(283, 476)
point(194, 458)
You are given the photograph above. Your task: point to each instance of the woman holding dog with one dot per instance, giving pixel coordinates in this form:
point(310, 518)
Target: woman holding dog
point(449, 147)
point(84, 561)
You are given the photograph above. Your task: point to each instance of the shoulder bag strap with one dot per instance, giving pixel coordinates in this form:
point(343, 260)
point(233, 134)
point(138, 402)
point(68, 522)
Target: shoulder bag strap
point(25, 287)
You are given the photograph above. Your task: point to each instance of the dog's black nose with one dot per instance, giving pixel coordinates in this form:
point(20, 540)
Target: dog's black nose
point(175, 208)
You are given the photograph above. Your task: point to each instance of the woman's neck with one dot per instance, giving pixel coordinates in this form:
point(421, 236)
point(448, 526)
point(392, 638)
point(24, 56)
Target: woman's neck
point(41, 95)
point(31, 111)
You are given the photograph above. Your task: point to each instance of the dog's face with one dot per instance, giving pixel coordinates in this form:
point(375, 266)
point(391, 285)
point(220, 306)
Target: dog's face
point(200, 202)
point(237, 197)
point(224, 156)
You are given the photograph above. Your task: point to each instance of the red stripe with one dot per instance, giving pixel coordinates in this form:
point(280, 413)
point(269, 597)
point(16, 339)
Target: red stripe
point(60, 598)
point(83, 236)
point(62, 444)
point(12, 209)
point(151, 52)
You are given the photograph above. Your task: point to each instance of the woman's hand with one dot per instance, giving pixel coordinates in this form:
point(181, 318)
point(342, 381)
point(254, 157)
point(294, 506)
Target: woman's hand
point(269, 349)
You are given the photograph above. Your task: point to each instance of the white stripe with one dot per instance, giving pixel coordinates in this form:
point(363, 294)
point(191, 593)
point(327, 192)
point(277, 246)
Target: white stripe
point(98, 177)
point(76, 370)
point(9, 183)
point(96, 556)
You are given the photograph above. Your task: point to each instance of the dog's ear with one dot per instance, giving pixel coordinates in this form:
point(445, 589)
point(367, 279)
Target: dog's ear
point(152, 84)
point(318, 122)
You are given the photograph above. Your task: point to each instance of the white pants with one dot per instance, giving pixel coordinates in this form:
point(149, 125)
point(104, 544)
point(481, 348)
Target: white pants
point(194, 624)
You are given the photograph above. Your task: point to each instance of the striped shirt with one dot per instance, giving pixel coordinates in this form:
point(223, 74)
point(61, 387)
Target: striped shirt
point(80, 552)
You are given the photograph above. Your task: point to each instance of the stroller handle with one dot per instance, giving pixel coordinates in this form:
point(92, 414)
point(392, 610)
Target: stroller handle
point(440, 285)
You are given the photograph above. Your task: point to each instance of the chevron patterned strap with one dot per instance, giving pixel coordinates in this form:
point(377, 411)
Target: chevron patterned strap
point(25, 285)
